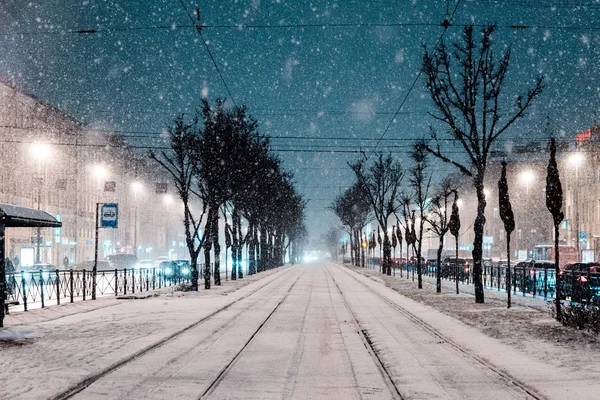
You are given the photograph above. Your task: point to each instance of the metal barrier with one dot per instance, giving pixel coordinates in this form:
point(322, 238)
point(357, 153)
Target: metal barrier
point(536, 282)
point(42, 288)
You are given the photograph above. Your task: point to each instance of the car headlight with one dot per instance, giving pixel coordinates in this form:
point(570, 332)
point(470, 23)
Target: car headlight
point(168, 271)
point(185, 271)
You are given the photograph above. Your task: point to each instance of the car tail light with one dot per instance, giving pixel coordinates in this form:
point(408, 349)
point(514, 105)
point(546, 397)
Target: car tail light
point(583, 279)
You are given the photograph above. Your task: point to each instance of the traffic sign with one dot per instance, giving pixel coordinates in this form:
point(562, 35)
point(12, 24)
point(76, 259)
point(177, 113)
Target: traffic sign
point(109, 215)
point(582, 235)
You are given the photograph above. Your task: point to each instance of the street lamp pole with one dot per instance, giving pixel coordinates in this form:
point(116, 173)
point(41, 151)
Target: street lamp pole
point(576, 159)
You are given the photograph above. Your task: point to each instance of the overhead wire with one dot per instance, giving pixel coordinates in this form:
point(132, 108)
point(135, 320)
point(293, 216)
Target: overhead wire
point(446, 24)
point(199, 29)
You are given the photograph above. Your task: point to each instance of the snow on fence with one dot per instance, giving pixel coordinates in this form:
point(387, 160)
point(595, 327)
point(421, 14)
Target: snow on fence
point(578, 285)
point(39, 289)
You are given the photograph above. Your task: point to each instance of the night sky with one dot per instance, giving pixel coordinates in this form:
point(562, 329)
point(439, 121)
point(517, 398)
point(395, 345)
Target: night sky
point(323, 78)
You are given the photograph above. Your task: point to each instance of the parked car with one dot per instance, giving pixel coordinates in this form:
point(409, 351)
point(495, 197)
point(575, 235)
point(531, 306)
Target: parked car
point(580, 282)
point(183, 268)
point(538, 274)
point(123, 260)
point(88, 265)
point(32, 271)
point(145, 264)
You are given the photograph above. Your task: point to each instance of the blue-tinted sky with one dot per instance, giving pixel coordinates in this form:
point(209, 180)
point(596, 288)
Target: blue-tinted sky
point(342, 74)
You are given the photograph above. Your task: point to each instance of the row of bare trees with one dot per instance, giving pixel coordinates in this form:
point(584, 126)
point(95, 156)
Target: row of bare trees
point(467, 85)
point(221, 165)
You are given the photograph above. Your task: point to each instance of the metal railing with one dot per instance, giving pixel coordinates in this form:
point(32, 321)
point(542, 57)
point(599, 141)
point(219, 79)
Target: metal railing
point(42, 288)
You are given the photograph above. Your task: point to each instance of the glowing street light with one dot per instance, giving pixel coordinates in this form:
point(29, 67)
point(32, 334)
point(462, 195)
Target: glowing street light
point(41, 152)
point(459, 202)
point(100, 172)
point(527, 177)
point(576, 159)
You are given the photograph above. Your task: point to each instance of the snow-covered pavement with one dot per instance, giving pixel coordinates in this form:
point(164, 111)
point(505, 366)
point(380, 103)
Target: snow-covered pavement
point(316, 331)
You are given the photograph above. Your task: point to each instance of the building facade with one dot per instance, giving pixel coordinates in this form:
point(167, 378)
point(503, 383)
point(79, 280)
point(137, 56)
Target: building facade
point(55, 163)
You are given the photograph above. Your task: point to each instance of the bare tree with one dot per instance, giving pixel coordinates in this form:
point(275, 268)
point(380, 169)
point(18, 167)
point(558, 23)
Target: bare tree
point(354, 211)
point(508, 218)
point(554, 202)
point(466, 84)
point(380, 183)
point(439, 222)
point(420, 182)
point(180, 161)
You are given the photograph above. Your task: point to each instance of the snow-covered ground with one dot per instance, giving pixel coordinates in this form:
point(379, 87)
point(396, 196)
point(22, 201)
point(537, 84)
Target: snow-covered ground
point(308, 331)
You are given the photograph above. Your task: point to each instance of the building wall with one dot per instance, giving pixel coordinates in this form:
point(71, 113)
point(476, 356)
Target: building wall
point(66, 184)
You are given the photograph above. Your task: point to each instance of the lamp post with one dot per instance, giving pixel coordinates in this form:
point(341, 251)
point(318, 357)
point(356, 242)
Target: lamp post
point(527, 177)
point(575, 160)
point(137, 188)
point(41, 152)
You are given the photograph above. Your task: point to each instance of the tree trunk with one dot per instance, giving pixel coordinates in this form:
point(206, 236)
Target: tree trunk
point(387, 253)
point(419, 250)
point(508, 274)
point(263, 250)
point(362, 252)
point(351, 248)
point(237, 221)
point(438, 269)
point(456, 264)
point(217, 246)
point(234, 244)
point(478, 227)
point(556, 272)
point(207, 247)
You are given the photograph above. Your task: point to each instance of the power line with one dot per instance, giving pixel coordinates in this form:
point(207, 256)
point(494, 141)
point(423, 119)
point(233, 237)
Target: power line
point(447, 22)
point(175, 27)
point(199, 29)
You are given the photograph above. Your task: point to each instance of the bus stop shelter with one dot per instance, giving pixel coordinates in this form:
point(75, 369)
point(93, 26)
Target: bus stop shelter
point(18, 217)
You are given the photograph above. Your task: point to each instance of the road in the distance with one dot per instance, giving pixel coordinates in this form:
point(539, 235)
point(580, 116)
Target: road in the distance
point(314, 333)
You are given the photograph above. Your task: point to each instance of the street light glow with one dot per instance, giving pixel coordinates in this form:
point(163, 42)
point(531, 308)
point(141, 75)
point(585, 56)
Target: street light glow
point(459, 202)
point(100, 172)
point(137, 186)
point(41, 151)
point(576, 159)
point(168, 199)
point(527, 176)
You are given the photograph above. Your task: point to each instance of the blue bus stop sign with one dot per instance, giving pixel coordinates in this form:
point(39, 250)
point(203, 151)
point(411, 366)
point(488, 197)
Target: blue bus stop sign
point(109, 215)
point(582, 235)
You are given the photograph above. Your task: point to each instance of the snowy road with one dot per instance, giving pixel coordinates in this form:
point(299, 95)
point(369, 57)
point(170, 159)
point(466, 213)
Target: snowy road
point(317, 331)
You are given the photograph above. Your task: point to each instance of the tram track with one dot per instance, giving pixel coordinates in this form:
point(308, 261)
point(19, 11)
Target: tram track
point(225, 370)
point(363, 334)
point(80, 386)
point(504, 376)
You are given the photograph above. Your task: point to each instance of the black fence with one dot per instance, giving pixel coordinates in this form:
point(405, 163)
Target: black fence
point(42, 288)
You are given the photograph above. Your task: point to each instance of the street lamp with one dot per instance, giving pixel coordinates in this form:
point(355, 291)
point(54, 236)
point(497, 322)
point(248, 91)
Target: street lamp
point(137, 188)
point(576, 159)
point(527, 178)
point(41, 152)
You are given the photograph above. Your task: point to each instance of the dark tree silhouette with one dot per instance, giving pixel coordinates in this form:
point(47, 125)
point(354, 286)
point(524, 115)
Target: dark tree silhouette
point(420, 183)
point(380, 183)
point(508, 218)
point(454, 227)
point(439, 222)
point(181, 162)
point(354, 211)
point(465, 85)
point(554, 203)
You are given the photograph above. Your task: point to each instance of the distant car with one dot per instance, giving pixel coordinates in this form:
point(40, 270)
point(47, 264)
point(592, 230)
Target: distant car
point(144, 264)
point(183, 268)
point(88, 265)
point(123, 260)
point(33, 270)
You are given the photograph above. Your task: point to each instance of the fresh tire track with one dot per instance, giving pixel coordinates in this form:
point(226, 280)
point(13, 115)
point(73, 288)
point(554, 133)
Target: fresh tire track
point(83, 384)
